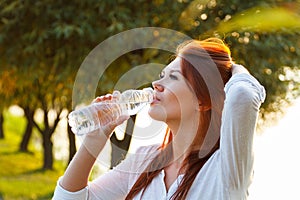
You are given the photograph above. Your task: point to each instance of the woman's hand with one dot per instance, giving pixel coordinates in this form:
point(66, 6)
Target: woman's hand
point(78, 171)
point(108, 97)
point(94, 141)
point(110, 114)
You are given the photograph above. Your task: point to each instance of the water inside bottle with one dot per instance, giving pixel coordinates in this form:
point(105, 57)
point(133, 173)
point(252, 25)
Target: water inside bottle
point(134, 108)
point(80, 123)
point(85, 120)
point(135, 100)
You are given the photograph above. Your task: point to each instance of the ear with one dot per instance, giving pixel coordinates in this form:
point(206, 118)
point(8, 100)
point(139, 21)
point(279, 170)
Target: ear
point(202, 108)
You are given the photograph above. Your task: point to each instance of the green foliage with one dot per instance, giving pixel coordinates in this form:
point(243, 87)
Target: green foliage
point(43, 43)
point(263, 36)
point(262, 19)
point(51, 39)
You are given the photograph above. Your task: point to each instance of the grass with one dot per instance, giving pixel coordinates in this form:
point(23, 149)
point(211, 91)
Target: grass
point(21, 177)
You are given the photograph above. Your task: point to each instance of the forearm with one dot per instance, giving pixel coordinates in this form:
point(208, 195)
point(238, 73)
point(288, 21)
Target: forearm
point(244, 95)
point(77, 174)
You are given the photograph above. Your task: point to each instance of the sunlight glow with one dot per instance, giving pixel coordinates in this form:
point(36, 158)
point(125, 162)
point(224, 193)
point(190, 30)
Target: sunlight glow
point(277, 160)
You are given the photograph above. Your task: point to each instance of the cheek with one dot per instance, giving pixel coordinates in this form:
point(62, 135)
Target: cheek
point(186, 104)
point(174, 108)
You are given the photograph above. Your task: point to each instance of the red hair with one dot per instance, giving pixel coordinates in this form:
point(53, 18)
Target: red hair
point(197, 58)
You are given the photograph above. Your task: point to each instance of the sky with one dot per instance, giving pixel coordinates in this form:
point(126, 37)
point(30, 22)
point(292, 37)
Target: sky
point(277, 160)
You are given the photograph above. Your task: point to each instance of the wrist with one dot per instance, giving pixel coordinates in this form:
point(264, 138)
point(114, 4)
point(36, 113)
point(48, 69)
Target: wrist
point(94, 142)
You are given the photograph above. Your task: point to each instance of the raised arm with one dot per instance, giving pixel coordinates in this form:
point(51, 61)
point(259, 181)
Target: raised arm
point(72, 185)
point(244, 96)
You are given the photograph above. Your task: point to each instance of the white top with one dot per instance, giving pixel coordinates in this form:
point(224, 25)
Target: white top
point(226, 175)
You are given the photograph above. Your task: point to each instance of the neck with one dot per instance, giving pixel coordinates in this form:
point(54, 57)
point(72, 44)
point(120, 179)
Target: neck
point(183, 135)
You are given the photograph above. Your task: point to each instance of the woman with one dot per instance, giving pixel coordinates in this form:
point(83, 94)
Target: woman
point(207, 150)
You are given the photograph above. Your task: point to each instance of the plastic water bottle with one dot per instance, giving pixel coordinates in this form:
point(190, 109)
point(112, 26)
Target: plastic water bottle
point(96, 115)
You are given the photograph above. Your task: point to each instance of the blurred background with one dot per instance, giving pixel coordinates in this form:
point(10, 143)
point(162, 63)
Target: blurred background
point(43, 44)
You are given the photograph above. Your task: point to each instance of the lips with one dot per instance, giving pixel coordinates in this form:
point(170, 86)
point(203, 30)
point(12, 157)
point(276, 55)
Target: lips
point(156, 99)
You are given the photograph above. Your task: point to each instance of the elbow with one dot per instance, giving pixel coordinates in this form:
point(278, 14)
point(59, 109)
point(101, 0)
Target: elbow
point(247, 94)
point(244, 88)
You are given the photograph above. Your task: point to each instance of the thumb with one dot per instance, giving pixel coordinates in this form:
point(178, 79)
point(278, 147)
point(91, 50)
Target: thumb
point(112, 125)
point(121, 119)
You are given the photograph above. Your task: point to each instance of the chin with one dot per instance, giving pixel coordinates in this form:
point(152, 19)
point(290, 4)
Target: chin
point(157, 114)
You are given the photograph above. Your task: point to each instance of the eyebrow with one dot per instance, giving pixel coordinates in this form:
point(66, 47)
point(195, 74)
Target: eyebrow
point(173, 70)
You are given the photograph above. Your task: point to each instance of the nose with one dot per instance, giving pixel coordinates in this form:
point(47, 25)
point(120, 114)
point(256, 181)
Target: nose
point(157, 86)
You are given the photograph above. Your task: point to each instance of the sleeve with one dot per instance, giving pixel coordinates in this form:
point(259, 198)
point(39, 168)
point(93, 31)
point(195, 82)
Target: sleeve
point(115, 183)
point(244, 95)
point(61, 194)
point(111, 185)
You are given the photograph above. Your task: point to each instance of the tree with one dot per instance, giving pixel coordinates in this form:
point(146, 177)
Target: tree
point(29, 114)
point(8, 87)
point(45, 47)
point(1, 126)
point(120, 147)
point(52, 38)
point(36, 52)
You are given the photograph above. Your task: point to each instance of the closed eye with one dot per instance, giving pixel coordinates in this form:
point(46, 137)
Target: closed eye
point(173, 77)
point(162, 74)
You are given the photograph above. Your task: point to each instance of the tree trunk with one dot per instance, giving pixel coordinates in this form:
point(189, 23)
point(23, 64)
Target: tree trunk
point(120, 147)
point(46, 134)
point(48, 150)
point(1, 126)
point(72, 144)
point(28, 131)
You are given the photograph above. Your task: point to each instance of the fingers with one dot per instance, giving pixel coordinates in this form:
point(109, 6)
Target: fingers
point(108, 129)
point(110, 113)
point(121, 119)
point(108, 97)
point(116, 94)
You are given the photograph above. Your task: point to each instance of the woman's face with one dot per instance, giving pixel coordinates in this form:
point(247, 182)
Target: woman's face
point(173, 99)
